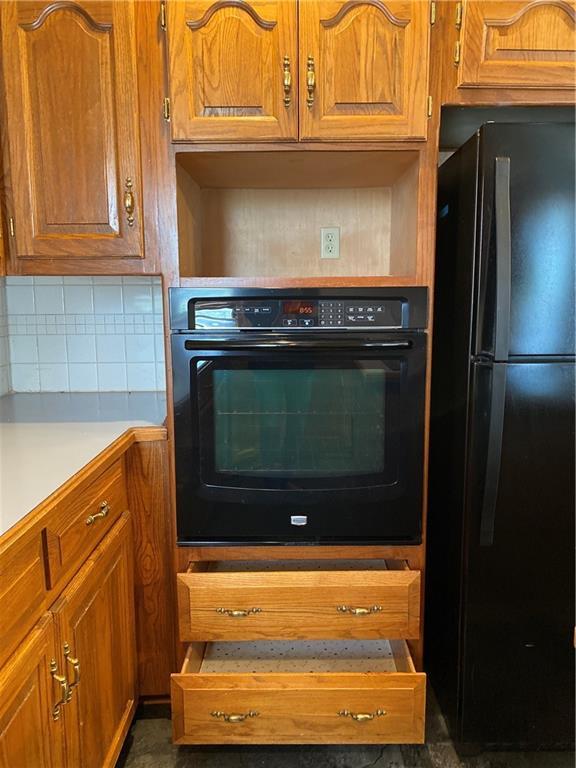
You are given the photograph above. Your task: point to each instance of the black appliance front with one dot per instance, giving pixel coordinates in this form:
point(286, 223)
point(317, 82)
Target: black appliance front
point(301, 436)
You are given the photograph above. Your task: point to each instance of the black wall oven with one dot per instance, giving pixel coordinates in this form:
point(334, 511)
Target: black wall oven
point(299, 415)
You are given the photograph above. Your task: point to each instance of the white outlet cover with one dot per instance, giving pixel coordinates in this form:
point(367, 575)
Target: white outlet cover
point(329, 242)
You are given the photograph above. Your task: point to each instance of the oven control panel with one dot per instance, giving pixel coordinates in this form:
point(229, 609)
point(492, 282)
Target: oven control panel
point(297, 314)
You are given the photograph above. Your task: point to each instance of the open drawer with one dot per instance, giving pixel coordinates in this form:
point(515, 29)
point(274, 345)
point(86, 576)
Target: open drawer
point(298, 693)
point(299, 600)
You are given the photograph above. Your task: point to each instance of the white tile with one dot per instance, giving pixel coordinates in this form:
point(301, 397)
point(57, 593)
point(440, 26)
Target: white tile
point(141, 376)
point(81, 348)
point(137, 280)
point(78, 299)
point(49, 299)
point(48, 280)
point(110, 349)
point(52, 349)
point(76, 280)
point(23, 349)
point(107, 280)
point(157, 296)
point(25, 377)
point(138, 298)
point(13, 280)
point(4, 380)
point(140, 348)
point(53, 377)
point(83, 377)
point(20, 299)
point(108, 299)
point(160, 376)
point(159, 347)
point(111, 377)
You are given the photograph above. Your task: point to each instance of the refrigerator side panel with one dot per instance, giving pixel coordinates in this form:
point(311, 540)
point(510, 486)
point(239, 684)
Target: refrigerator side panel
point(454, 287)
point(541, 233)
point(518, 648)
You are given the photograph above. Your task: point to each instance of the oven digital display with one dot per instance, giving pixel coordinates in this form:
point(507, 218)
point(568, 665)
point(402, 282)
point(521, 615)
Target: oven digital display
point(298, 308)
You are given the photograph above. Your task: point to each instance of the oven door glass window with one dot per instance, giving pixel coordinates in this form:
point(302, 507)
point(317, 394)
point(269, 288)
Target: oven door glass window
point(298, 426)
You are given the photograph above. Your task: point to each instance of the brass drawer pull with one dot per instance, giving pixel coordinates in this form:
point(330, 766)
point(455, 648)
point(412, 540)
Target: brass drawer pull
point(359, 611)
point(129, 202)
point(75, 664)
point(310, 81)
point(63, 683)
point(235, 718)
point(362, 717)
point(287, 81)
point(104, 509)
point(238, 614)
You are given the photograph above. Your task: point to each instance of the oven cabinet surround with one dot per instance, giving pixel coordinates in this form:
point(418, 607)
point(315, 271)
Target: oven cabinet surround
point(71, 631)
point(73, 146)
point(309, 652)
point(495, 51)
point(287, 70)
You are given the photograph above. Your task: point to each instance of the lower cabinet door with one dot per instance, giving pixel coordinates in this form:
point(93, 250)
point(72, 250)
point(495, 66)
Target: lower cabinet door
point(95, 628)
point(293, 692)
point(31, 728)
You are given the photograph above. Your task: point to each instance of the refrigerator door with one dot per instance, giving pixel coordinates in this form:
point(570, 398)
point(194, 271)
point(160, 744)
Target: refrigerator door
point(518, 605)
point(526, 241)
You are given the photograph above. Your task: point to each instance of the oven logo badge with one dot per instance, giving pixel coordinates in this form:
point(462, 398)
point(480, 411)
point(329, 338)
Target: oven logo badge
point(299, 519)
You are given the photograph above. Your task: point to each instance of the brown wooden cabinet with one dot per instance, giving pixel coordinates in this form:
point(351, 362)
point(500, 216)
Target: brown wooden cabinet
point(69, 72)
point(95, 622)
point(233, 70)
point(527, 44)
point(364, 69)
point(30, 719)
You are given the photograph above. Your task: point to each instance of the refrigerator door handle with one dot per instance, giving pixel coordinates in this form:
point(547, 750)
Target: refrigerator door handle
point(503, 256)
point(494, 457)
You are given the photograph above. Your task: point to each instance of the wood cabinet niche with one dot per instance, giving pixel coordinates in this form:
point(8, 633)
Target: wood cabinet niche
point(286, 70)
point(69, 71)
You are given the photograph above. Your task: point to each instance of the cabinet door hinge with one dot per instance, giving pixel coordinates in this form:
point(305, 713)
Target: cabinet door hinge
point(432, 13)
point(11, 227)
point(457, 53)
point(163, 15)
point(166, 109)
point(458, 15)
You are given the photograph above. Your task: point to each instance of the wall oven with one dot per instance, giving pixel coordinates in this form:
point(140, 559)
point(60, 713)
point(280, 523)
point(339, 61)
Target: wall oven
point(299, 415)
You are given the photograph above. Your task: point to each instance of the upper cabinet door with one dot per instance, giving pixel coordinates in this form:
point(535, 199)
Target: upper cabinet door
point(518, 44)
point(364, 69)
point(233, 70)
point(73, 131)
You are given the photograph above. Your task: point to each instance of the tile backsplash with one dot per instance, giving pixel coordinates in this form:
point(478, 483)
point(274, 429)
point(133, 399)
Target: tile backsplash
point(4, 352)
point(84, 334)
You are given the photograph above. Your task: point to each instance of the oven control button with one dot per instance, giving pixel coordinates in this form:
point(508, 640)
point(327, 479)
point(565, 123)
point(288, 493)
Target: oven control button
point(306, 321)
point(290, 321)
point(299, 519)
point(351, 317)
point(370, 318)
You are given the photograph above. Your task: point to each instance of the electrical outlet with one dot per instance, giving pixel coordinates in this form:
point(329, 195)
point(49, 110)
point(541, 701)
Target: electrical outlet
point(329, 242)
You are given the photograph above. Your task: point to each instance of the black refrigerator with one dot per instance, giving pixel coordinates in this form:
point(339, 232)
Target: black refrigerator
point(499, 644)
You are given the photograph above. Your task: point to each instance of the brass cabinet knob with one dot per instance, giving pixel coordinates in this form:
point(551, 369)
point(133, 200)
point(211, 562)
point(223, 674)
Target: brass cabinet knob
point(235, 717)
point(362, 717)
point(287, 81)
point(310, 81)
point(104, 510)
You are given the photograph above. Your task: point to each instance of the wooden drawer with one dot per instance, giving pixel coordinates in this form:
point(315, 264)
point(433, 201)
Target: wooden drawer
point(299, 693)
point(307, 600)
point(80, 522)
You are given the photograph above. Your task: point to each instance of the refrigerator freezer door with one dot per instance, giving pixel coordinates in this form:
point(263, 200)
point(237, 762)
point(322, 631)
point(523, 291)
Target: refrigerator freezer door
point(534, 250)
point(517, 642)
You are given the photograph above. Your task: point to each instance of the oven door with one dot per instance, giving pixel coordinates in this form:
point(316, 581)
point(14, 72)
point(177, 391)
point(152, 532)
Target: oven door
point(295, 440)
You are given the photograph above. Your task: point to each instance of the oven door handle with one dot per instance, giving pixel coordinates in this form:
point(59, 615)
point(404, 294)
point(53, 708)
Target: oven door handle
point(217, 344)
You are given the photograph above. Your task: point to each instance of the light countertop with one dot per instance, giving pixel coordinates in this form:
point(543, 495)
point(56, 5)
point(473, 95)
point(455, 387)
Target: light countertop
point(47, 438)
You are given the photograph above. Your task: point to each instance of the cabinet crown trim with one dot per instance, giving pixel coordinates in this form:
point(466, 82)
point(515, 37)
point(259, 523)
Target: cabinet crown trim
point(351, 4)
point(66, 5)
point(230, 4)
point(562, 4)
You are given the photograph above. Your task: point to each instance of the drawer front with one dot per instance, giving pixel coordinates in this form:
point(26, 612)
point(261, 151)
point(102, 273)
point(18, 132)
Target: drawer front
point(259, 605)
point(368, 708)
point(81, 521)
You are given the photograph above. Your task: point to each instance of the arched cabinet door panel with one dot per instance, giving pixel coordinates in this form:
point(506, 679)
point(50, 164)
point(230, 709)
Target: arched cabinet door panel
point(518, 44)
point(233, 70)
point(69, 73)
point(364, 69)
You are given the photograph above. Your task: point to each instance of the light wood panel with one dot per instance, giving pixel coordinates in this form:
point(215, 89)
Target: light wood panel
point(518, 44)
point(149, 502)
point(29, 735)
point(298, 604)
point(364, 69)
point(74, 151)
point(227, 70)
point(298, 708)
point(95, 616)
point(81, 521)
